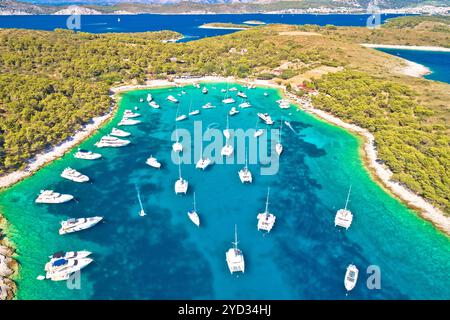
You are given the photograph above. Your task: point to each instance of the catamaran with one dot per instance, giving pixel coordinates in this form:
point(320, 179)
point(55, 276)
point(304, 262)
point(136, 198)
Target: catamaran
point(119, 133)
point(50, 196)
point(74, 225)
point(109, 141)
point(227, 150)
point(74, 175)
point(344, 217)
point(149, 97)
point(244, 174)
point(266, 220)
point(181, 185)
point(87, 155)
point(351, 277)
point(266, 118)
point(172, 99)
point(128, 122)
point(153, 162)
point(244, 105)
point(242, 95)
point(193, 215)
point(235, 257)
point(233, 111)
point(130, 114)
point(204, 90)
point(203, 162)
point(177, 146)
point(226, 131)
point(154, 105)
point(279, 146)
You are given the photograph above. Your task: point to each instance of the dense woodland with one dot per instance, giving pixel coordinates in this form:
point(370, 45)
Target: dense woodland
point(52, 83)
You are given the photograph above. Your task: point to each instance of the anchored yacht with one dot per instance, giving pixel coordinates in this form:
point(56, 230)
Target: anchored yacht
point(87, 155)
point(154, 105)
point(193, 215)
point(223, 90)
point(177, 146)
point(130, 114)
point(119, 133)
point(181, 185)
point(226, 131)
point(242, 95)
point(172, 99)
point(227, 150)
point(204, 90)
point(244, 105)
point(49, 196)
point(244, 174)
point(266, 118)
point(74, 175)
point(232, 89)
point(344, 217)
point(109, 141)
point(61, 269)
point(284, 104)
point(235, 257)
point(266, 220)
point(279, 146)
point(149, 97)
point(74, 225)
point(228, 100)
point(128, 122)
point(208, 106)
point(233, 111)
point(181, 118)
point(153, 162)
point(203, 162)
point(351, 277)
point(70, 255)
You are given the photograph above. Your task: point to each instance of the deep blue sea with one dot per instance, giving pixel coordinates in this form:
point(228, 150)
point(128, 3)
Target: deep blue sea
point(185, 24)
point(437, 62)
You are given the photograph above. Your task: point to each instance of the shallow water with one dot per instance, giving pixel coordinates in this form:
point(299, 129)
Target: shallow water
point(164, 256)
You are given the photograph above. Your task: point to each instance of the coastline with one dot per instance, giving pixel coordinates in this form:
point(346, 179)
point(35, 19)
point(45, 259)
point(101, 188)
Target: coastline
point(222, 28)
point(379, 172)
point(404, 47)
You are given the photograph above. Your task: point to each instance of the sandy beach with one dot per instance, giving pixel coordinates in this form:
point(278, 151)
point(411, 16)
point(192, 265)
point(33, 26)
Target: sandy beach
point(403, 47)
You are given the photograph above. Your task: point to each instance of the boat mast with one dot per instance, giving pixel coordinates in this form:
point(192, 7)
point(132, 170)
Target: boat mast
point(348, 197)
point(281, 128)
point(179, 167)
point(235, 243)
point(267, 200)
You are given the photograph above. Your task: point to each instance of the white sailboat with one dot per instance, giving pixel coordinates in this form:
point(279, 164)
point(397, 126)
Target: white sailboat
point(193, 112)
point(177, 146)
point(172, 99)
point(226, 131)
point(279, 146)
point(235, 257)
point(351, 277)
point(266, 118)
point(227, 150)
point(193, 215)
point(233, 111)
point(258, 131)
point(181, 185)
point(154, 105)
point(141, 212)
point(266, 220)
point(203, 162)
point(180, 118)
point(344, 217)
point(244, 174)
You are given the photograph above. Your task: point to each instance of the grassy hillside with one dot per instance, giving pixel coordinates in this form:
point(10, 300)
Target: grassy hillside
point(54, 82)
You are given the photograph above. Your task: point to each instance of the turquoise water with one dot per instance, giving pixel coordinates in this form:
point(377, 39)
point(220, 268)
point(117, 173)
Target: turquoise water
point(164, 256)
point(437, 62)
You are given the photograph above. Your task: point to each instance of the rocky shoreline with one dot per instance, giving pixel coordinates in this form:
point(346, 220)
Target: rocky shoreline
point(8, 267)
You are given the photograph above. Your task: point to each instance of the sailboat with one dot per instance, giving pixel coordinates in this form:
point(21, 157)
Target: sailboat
point(258, 131)
point(142, 212)
point(344, 217)
point(235, 257)
point(266, 220)
point(194, 112)
point(193, 215)
point(226, 131)
point(180, 118)
point(227, 150)
point(202, 163)
point(279, 146)
point(181, 185)
point(177, 146)
point(244, 174)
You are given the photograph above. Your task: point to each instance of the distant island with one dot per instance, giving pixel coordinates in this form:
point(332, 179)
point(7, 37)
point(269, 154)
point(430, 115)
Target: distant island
point(10, 7)
point(254, 22)
point(225, 25)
